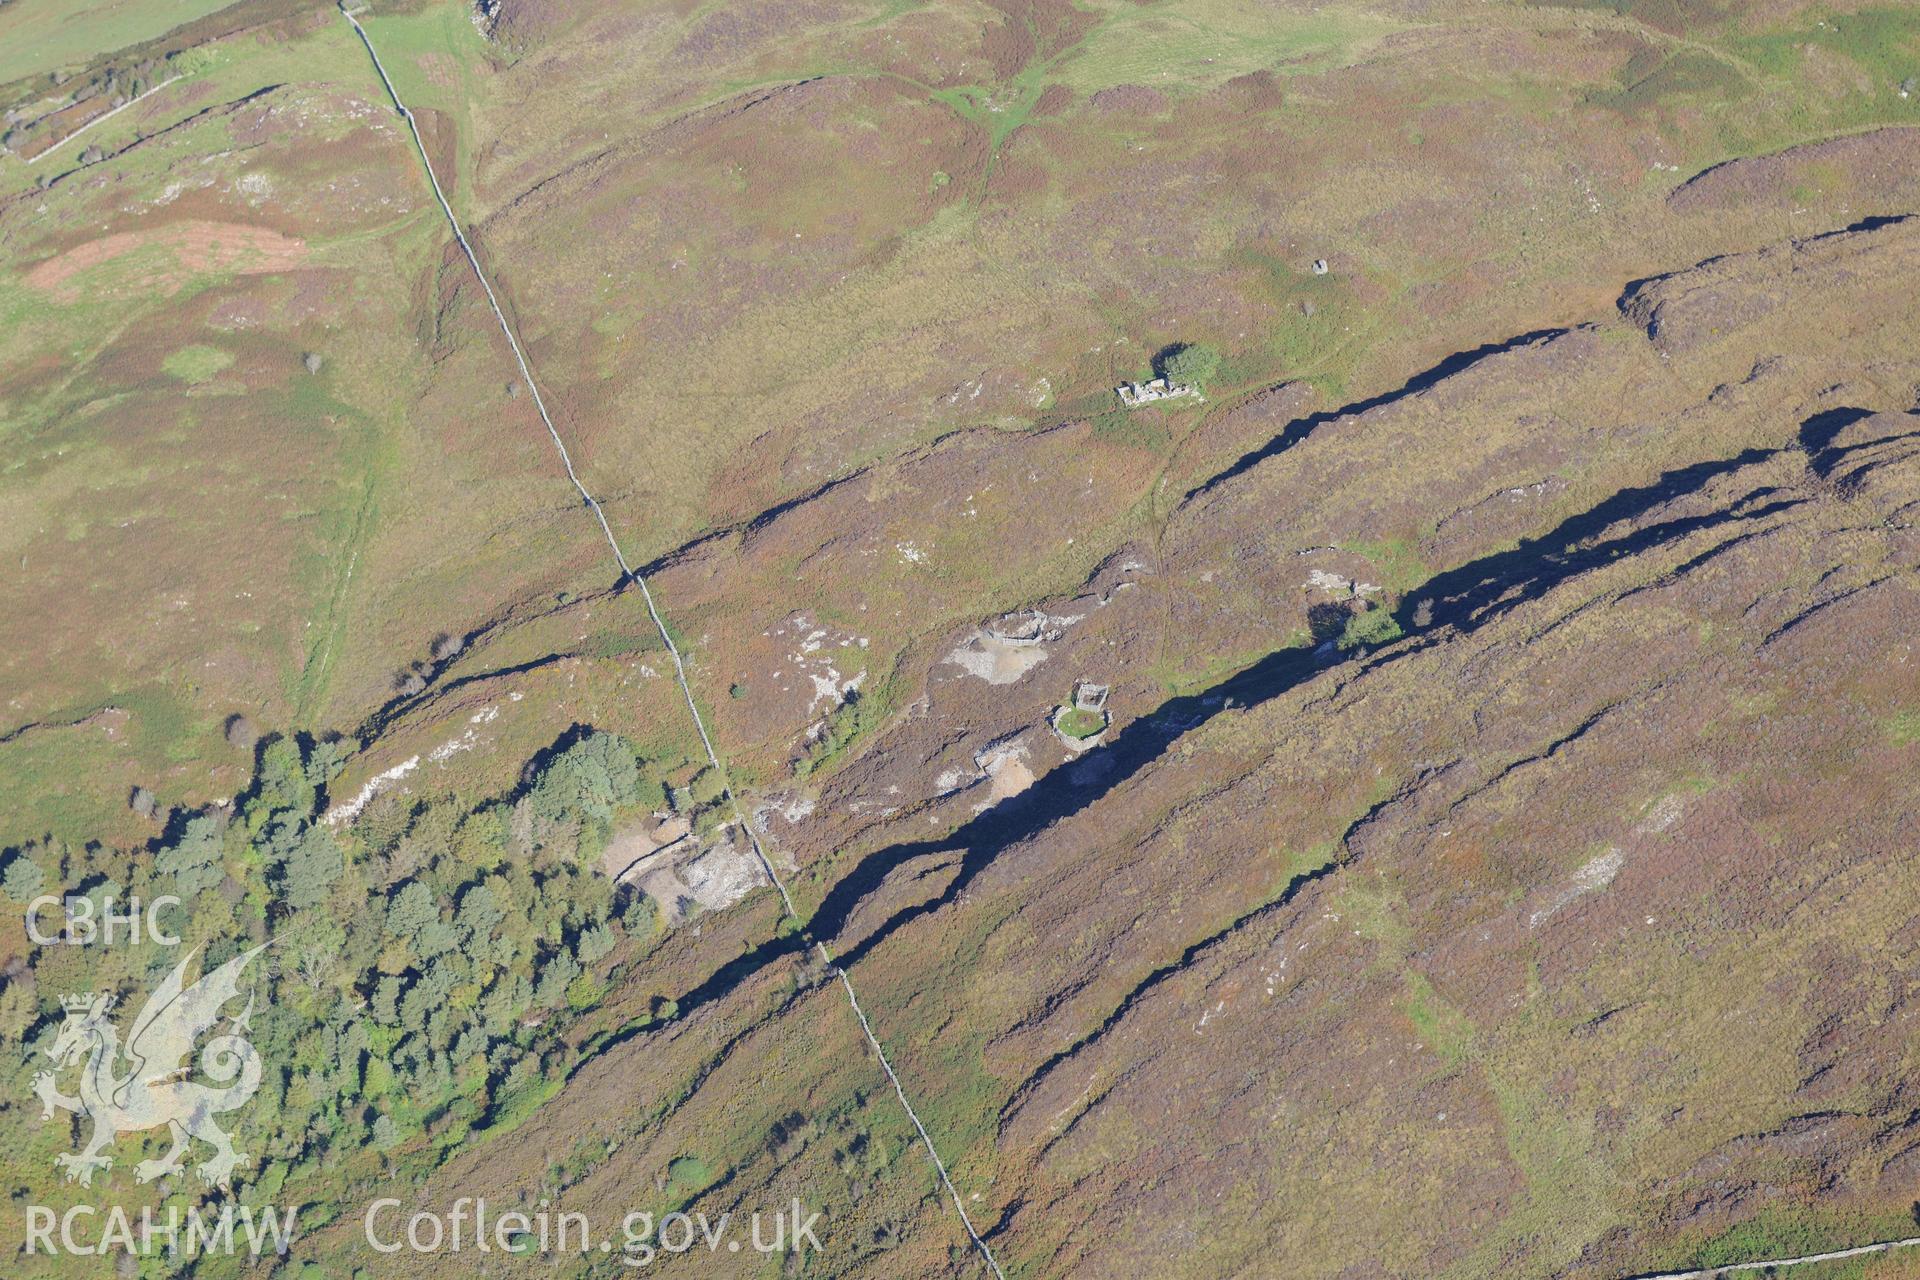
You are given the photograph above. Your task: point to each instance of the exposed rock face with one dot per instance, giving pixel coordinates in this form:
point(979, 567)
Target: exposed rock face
point(1715, 301)
point(1881, 169)
point(632, 852)
point(997, 658)
point(699, 873)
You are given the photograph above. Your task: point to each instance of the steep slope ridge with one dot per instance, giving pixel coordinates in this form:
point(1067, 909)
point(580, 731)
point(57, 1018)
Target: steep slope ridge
point(1574, 992)
point(1560, 937)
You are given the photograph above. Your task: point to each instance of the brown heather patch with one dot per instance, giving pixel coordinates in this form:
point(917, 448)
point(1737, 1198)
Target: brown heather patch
point(194, 247)
point(1130, 99)
point(1054, 100)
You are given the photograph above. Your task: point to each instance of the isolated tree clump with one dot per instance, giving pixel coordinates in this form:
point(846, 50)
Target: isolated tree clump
point(1370, 630)
point(241, 733)
point(1192, 365)
point(313, 360)
point(386, 1134)
point(1327, 619)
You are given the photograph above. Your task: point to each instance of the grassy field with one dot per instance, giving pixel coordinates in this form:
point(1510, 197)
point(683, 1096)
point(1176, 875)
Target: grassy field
point(42, 36)
point(1191, 48)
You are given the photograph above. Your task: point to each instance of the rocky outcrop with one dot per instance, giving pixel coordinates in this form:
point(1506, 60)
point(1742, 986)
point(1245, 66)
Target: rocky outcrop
point(1553, 937)
point(1879, 169)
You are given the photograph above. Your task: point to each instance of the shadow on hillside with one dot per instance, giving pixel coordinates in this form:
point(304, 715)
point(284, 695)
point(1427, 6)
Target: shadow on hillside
point(1300, 428)
point(1456, 602)
point(1818, 433)
point(1476, 593)
point(1461, 600)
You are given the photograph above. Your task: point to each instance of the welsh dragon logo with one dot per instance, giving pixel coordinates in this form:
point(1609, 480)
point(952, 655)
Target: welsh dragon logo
point(153, 1088)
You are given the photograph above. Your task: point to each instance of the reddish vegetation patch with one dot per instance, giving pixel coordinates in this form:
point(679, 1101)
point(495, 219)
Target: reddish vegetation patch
point(1018, 180)
point(1008, 46)
point(1056, 99)
point(731, 33)
point(1883, 165)
point(1045, 27)
point(438, 133)
point(1433, 227)
point(934, 45)
point(1134, 99)
point(196, 246)
point(1255, 91)
point(439, 69)
point(1673, 17)
point(527, 22)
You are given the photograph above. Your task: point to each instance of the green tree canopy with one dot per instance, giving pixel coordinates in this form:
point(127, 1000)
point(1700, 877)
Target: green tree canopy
point(1192, 365)
point(194, 860)
point(588, 780)
point(23, 878)
point(411, 910)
